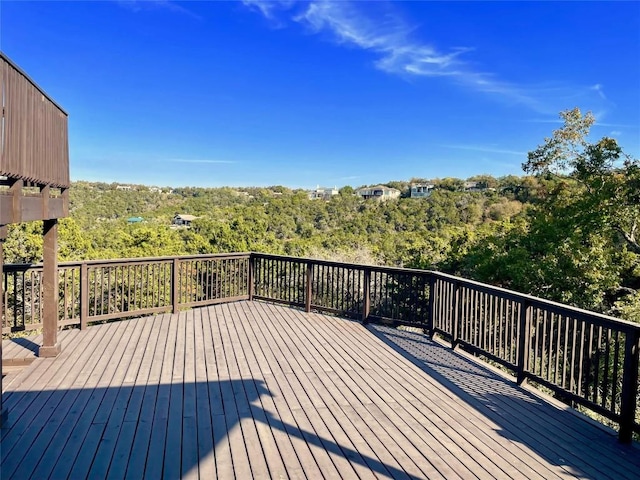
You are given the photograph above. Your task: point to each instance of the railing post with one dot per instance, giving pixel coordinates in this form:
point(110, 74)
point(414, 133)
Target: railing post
point(252, 272)
point(629, 386)
point(308, 288)
point(432, 303)
point(175, 285)
point(84, 295)
point(455, 328)
point(366, 300)
point(50, 346)
point(524, 341)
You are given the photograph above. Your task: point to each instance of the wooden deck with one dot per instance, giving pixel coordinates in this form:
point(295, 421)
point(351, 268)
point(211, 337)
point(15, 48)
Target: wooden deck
point(252, 390)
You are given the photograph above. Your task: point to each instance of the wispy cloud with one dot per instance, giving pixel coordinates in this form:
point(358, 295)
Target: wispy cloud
point(543, 120)
point(486, 149)
point(379, 28)
point(266, 7)
point(143, 5)
point(386, 34)
point(613, 125)
point(192, 160)
point(597, 123)
point(598, 89)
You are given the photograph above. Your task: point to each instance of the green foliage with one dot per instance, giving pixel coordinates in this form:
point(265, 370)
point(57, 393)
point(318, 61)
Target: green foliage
point(567, 231)
point(23, 243)
point(412, 232)
point(576, 243)
point(451, 184)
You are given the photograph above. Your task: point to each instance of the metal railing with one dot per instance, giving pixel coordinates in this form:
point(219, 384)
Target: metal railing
point(109, 289)
point(582, 357)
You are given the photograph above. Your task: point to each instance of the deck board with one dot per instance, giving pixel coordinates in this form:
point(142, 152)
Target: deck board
point(457, 445)
point(256, 390)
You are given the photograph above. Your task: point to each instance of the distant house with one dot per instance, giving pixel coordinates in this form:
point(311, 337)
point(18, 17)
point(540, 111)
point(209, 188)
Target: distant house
point(322, 193)
point(378, 192)
point(135, 219)
point(155, 189)
point(474, 186)
point(422, 190)
point(124, 187)
point(183, 220)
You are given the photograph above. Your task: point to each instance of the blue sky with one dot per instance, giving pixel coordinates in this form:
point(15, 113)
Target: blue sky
point(331, 93)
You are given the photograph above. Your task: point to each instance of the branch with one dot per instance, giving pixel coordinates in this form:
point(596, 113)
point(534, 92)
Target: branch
point(630, 237)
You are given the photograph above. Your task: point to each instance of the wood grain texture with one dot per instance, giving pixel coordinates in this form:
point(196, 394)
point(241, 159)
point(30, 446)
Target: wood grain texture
point(256, 390)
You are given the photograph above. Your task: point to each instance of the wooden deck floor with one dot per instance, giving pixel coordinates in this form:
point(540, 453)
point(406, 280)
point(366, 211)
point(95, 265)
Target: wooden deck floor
point(253, 390)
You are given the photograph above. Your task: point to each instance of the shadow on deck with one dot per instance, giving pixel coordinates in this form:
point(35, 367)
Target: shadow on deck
point(253, 390)
point(555, 432)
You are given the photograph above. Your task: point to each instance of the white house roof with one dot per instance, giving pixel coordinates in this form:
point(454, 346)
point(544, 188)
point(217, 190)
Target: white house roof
point(188, 218)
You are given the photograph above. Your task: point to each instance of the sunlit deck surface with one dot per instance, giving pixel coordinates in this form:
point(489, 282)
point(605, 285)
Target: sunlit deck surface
point(253, 390)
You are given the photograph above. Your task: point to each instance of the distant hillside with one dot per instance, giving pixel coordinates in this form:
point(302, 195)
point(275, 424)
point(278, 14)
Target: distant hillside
point(116, 220)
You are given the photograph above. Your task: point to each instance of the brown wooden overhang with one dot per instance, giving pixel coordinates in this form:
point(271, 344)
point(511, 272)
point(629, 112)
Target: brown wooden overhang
point(34, 150)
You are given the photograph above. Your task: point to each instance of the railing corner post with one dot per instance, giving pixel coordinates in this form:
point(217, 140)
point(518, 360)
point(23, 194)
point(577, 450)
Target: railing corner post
point(84, 295)
point(308, 290)
point(629, 386)
point(251, 276)
point(366, 300)
point(524, 341)
point(175, 285)
point(431, 305)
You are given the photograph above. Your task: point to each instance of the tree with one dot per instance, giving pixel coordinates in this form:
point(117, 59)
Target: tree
point(451, 184)
point(609, 179)
point(346, 191)
point(592, 206)
point(484, 181)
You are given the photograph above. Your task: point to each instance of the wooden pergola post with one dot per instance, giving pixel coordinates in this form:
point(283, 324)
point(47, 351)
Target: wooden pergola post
point(50, 346)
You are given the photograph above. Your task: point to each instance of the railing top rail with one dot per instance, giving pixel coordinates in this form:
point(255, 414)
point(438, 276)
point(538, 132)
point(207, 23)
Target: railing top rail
point(331, 263)
point(597, 318)
point(15, 267)
point(28, 78)
point(537, 301)
point(623, 325)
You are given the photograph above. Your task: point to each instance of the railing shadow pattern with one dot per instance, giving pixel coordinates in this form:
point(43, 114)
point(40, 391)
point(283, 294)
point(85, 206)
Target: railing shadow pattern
point(252, 390)
point(491, 396)
point(92, 448)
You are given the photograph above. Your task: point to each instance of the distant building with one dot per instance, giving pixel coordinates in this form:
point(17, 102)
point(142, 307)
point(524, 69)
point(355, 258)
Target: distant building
point(135, 219)
point(474, 187)
point(421, 190)
point(183, 220)
point(155, 189)
point(322, 193)
point(378, 192)
point(124, 187)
